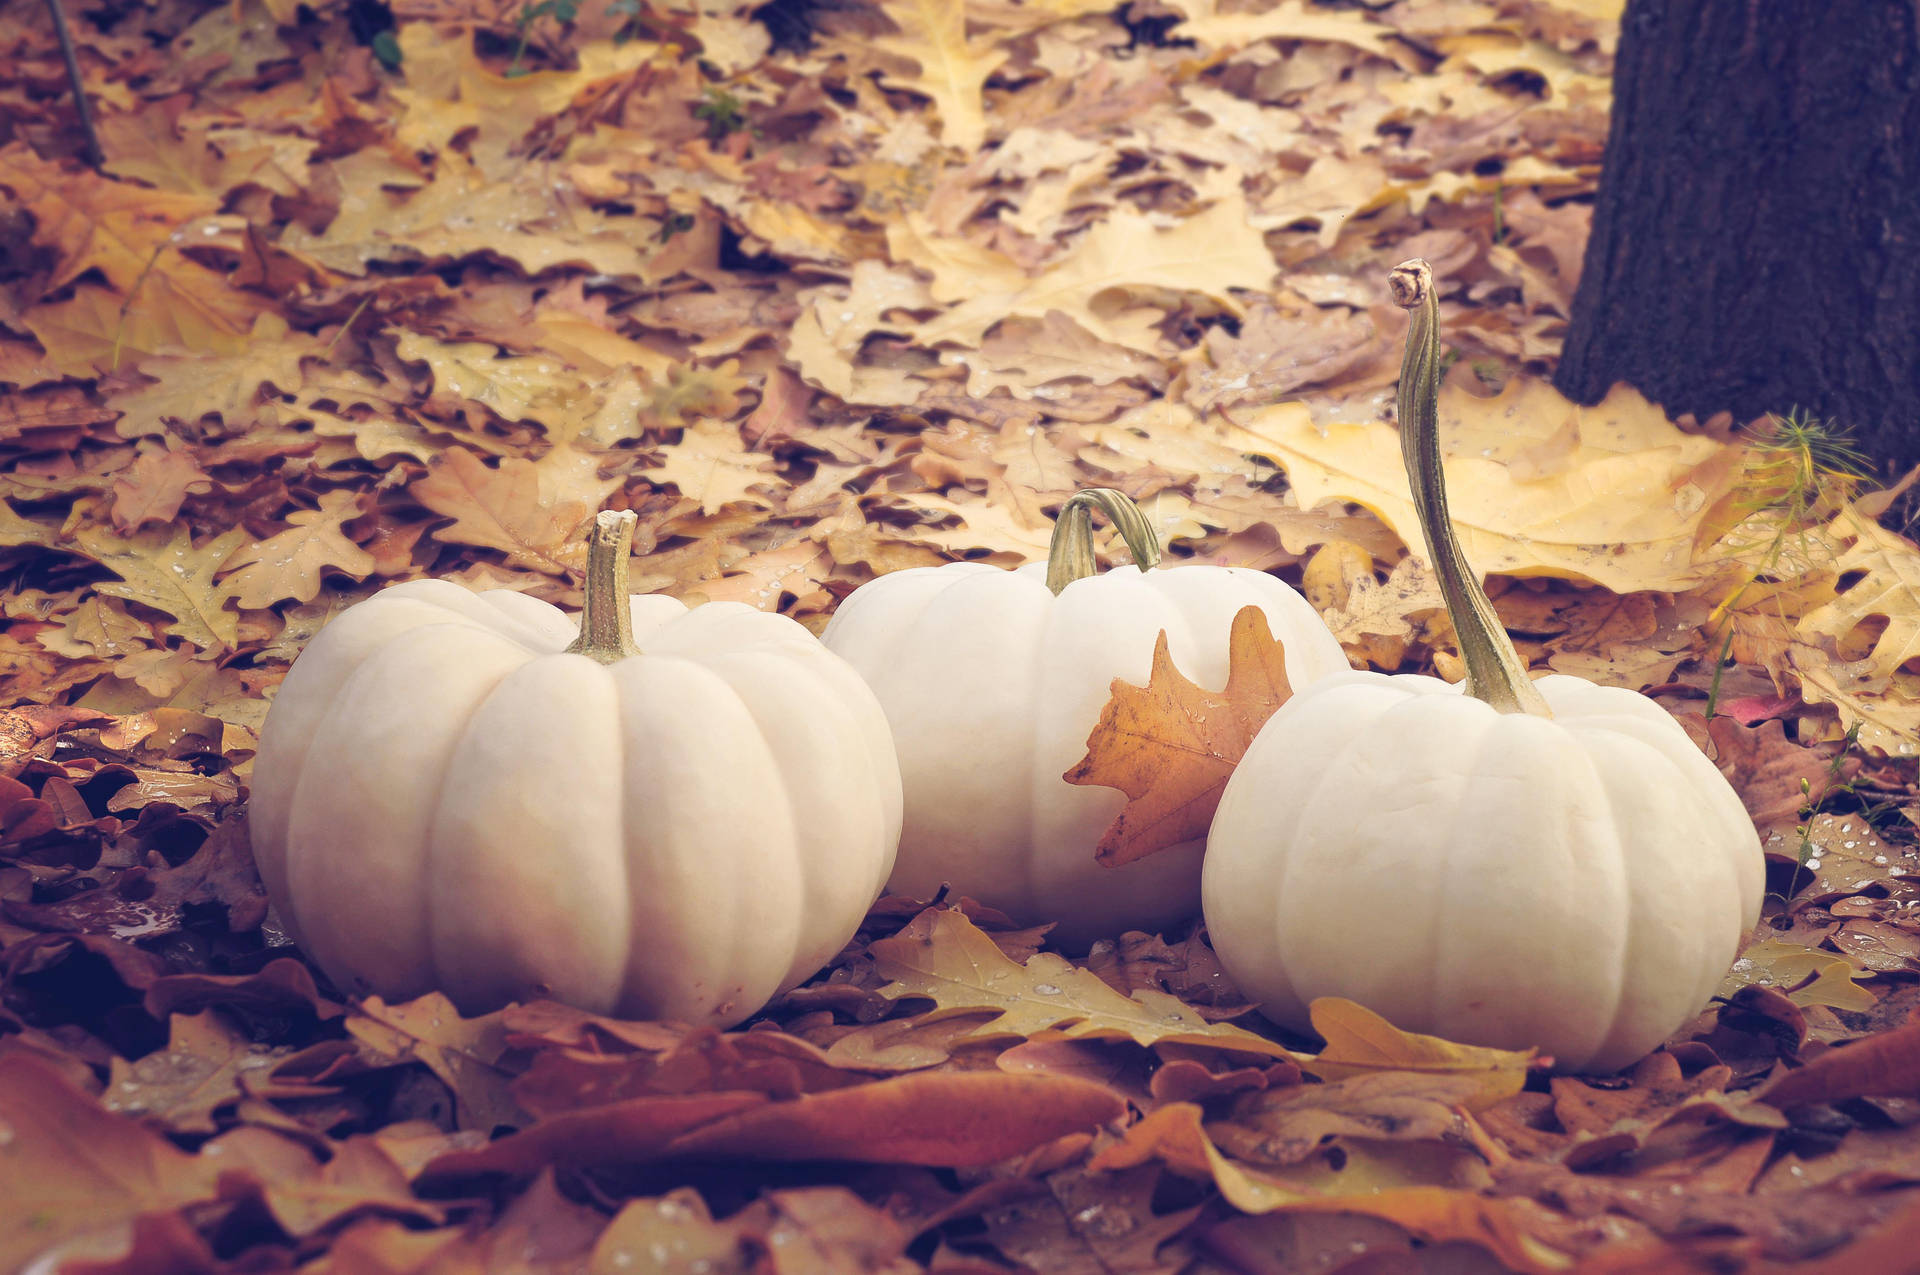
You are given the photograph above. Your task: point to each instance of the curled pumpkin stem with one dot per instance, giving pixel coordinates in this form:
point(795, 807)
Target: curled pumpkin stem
point(606, 622)
point(1070, 555)
point(1495, 673)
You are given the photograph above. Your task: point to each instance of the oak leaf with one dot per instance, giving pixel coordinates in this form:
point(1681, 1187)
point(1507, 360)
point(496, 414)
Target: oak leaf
point(1171, 745)
point(290, 564)
point(206, 1065)
point(69, 1167)
point(1210, 254)
point(502, 509)
point(153, 488)
point(1359, 1042)
point(127, 233)
point(953, 69)
point(1887, 587)
point(961, 970)
point(170, 573)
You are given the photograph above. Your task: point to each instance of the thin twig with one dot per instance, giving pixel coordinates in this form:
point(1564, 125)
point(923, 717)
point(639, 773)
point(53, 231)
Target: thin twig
point(95, 156)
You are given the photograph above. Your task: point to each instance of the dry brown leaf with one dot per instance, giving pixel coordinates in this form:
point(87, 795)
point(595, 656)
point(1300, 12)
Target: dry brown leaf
point(1171, 745)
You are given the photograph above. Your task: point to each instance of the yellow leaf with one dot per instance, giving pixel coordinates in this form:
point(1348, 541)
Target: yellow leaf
point(953, 69)
point(711, 465)
point(169, 573)
point(1360, 1042)
point(533, 387)
point(1611, 494)
point(1174, 1135)
point(1807, 976)
point(504, 509)
point(1172, 745)
point(290, 564)
point(127, 233)
point(961, 970)
point(1289, 20)
point(1208, 254)
point(1888, 588)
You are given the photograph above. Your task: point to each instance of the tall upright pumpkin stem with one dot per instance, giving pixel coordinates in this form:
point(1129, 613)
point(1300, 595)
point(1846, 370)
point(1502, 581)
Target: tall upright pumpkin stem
point(606, 623)
point(1070, 555)
point(1495, 673)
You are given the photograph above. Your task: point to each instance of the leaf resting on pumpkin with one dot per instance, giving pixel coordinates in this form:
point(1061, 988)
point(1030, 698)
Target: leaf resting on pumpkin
point(1170, 745)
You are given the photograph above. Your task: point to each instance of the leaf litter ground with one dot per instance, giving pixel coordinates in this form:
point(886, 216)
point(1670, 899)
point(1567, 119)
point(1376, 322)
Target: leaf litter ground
point(823, 291)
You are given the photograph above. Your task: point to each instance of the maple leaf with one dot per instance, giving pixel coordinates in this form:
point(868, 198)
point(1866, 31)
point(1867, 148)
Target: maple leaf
point(1171, 745)
point(169, 573)
point(290, 564)
point(525, 387)
point(953, 69)
point(711, 465)
point(1619, 507)
point(1291, 20)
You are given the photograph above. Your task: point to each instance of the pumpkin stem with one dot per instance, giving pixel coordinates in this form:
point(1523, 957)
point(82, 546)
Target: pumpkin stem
point(606, 624)
point(1495, 674)
point(1070, 555)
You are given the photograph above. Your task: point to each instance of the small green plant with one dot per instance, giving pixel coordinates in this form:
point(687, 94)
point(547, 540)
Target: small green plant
point(1795, 477)
point(386, 49)
point(559, 10)
point(723, 112)
point(675, 224)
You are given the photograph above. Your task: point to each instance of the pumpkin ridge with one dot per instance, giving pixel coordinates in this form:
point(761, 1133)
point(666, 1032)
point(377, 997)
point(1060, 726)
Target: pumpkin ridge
point(516, 874)
point(419, 770)
point(695, 895)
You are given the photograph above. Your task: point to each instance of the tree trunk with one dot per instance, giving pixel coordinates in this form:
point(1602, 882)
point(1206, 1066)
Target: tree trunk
point(1756, 237)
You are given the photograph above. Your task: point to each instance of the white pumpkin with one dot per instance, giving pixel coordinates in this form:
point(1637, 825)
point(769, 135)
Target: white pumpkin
point(447, 796)
point(1506, 862)
point(991, 681)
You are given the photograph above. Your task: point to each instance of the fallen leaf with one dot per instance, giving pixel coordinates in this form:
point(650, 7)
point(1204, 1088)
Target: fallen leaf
point(963, 972)
point(169, 573)
point(1171, 745)
point(68, 1167)
point(290, 565)
point(1359, 1042)
point(1621, 511)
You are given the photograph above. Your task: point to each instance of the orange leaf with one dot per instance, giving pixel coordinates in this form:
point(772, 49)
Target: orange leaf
point(69, 1167)
point(1171, 745)
point(1173, 1134)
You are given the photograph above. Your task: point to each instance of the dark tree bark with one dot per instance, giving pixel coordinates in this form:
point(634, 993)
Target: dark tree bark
point(1756, 237)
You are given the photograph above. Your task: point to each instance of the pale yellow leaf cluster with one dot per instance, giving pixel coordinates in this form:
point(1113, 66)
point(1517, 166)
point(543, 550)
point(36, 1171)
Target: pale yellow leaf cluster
point(1209, 254)
point(1611, 495)
point(953, 69)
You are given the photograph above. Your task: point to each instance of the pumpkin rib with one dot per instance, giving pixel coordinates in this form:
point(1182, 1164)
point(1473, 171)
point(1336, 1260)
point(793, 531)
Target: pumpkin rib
point(703, 925)
point(366, 843)
point(1362, 708)
point(985, 689)
point(1577, 895)
point(311, 686)
point(800, 716)
point(549, 843)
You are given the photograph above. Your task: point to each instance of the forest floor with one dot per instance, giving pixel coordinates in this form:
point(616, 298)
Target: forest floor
point(823, 291)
